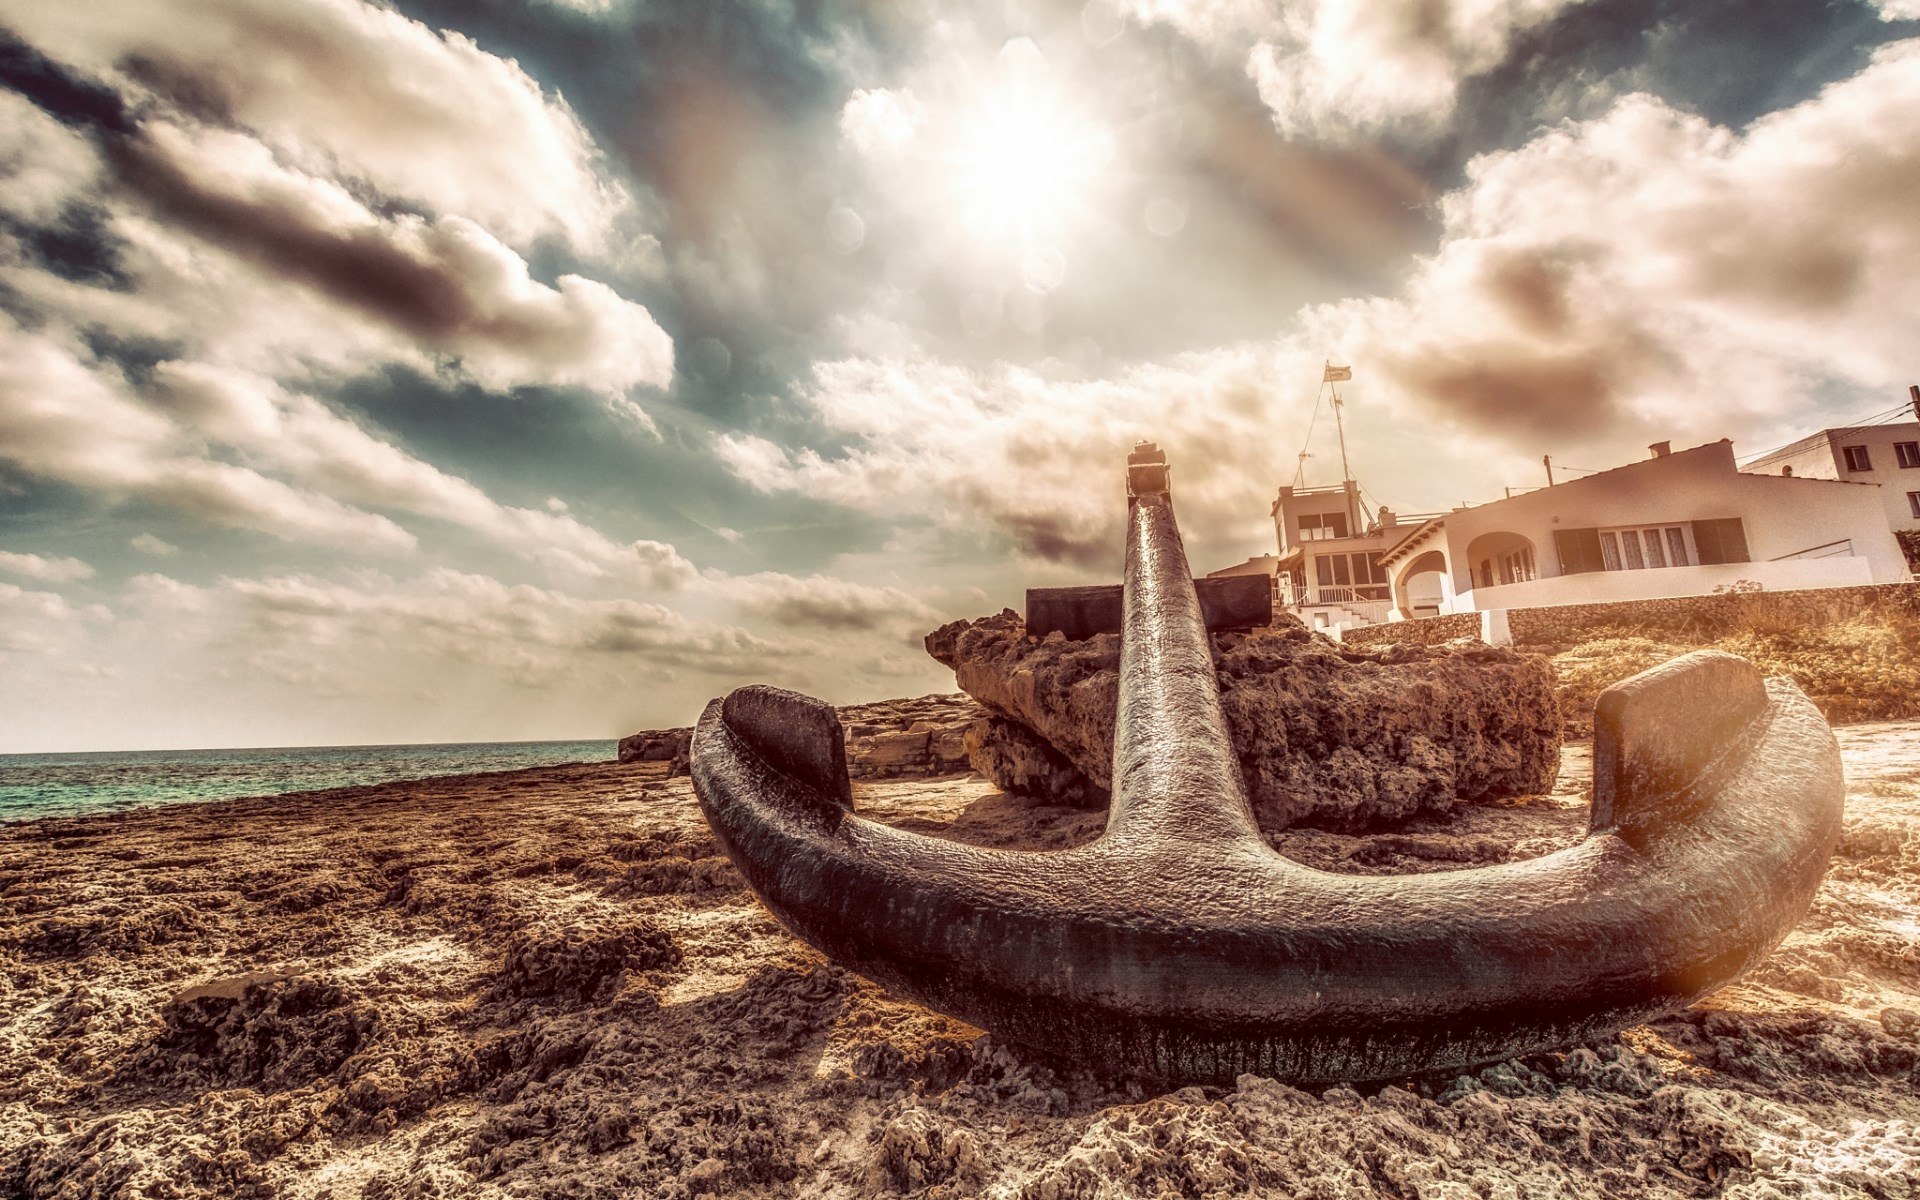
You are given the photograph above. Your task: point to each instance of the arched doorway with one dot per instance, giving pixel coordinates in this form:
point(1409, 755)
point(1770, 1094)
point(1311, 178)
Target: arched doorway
point(1421, 587)
point(1500, 558)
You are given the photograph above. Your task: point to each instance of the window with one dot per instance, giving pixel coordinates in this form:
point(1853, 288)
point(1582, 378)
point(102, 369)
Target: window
point(1913, 503)
point(1857, 458)
point(1318, 527)
point(1517, 567)
point(1656, 553)
point(1908, 453)
point(1640, 549)
point(1361, 573)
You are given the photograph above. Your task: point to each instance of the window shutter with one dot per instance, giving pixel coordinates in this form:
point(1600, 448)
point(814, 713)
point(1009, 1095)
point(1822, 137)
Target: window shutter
point(1579, 550)
point(1723, 540)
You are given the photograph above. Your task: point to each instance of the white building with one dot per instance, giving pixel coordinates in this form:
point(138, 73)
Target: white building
point(1676, 524)
point(1888, 455)
point(1329, 570)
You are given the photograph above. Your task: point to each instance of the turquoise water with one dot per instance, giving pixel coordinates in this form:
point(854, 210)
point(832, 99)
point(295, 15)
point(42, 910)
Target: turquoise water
point(65, 785)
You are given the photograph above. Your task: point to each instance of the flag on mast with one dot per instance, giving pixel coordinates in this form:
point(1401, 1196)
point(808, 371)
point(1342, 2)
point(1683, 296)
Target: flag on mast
point(1336, 374)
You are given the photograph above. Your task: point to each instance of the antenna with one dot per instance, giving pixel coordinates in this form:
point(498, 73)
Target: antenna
point(1346, 471)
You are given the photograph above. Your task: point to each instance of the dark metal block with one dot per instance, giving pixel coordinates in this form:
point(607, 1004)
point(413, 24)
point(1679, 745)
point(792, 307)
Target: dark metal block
point(1230, 602)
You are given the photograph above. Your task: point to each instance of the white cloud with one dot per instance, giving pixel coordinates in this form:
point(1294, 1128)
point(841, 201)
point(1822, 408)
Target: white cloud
point(1327, 67)
point(64, 420)
point(1036, 461)
point(1637, 276)
point(1648, 270)
point(341, 85)
point(446, 282)
point(293, 434)
point(879, 121)
point(47, 570)
point(42, 163)
point(42, 623)
point(1898, 10)
point(148, 544)
point(821, 602)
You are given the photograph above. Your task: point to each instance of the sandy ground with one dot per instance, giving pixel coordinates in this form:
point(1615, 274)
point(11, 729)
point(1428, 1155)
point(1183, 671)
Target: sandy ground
point(547, 983)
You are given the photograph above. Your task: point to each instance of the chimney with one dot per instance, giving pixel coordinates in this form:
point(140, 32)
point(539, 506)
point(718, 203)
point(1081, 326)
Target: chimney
point(1913, 389)
point(1388, 520)
point(1661, 449)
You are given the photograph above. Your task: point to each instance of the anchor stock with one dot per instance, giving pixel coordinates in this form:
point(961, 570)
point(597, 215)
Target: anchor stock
point(1178, 944)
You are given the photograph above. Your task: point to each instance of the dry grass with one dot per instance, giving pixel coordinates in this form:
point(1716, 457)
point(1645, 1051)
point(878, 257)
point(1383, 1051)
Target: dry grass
point(1860, 666)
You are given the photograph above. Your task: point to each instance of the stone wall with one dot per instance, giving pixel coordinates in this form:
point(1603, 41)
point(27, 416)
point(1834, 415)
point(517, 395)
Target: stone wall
point(1685, 616)
point(1422, 631)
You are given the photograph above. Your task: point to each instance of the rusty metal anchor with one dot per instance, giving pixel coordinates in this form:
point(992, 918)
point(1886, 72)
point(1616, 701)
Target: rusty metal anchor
point(1180, 945)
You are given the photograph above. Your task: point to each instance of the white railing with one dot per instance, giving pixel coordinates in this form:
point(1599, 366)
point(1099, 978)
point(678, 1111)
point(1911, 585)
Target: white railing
point(1840, 549)
point(1338, 594)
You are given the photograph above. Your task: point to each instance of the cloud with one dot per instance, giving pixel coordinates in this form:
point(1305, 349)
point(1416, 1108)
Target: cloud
point(459, 614)
point(377, 637)
point(154, 547)
point(180, 349)
point(47, 570)
point(43, 623)
point(879, 121)
point(1326, 68)
point(1031, 461)
point(822, 602)
point(314, 272)
point(1648, 270)
point(296, 435)
point(74, 422)
point(340, 86)
point(1898, 10)
point(445, 281)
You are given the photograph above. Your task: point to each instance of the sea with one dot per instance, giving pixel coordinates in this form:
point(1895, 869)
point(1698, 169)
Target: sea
point(68, 785)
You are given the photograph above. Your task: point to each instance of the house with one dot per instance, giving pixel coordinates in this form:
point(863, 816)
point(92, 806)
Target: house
point(1676, 524)
point(1329, 570)
point(1886, 454)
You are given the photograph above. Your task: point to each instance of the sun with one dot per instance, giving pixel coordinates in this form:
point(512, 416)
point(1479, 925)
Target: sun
point(1025, 159)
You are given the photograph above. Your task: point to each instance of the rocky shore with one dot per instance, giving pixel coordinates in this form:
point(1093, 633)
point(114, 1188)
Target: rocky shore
point(548, 983)
point(887, 739)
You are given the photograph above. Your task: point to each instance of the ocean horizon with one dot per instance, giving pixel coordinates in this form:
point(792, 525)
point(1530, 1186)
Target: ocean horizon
point(84, 783)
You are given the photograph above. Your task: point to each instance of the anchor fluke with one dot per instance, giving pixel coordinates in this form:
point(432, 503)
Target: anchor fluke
point(1657, 733)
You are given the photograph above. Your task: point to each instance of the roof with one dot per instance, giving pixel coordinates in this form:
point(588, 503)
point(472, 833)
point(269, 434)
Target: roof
point(1827, 436)
point(1421, 533)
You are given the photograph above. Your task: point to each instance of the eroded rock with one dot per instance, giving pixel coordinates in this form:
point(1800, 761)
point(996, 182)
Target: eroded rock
point(888, 739)
point(1325, 736)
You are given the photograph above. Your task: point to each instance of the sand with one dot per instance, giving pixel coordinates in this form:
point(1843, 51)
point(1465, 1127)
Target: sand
point(547, 983)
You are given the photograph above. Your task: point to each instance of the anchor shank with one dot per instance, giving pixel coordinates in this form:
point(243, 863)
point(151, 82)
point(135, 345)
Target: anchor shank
point(1175, 775)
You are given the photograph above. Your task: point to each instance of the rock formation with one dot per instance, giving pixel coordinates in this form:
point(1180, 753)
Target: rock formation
point(888, 739)
point(1326, 736)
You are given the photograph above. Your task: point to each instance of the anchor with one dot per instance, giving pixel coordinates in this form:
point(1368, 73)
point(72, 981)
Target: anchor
point(1180, 946)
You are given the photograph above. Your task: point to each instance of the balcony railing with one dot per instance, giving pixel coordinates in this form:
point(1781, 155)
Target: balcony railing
point(1840, 549)
point(1336, 594)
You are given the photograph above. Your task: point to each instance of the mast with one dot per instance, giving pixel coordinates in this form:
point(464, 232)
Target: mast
point(1346, 471)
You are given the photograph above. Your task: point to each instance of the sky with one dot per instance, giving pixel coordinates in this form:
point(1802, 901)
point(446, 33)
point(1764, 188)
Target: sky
point(529, 369)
